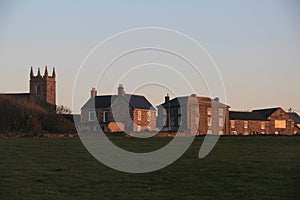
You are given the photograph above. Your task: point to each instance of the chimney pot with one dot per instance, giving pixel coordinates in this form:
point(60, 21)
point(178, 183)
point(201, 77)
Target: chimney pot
point(93, 93)
point(167, 98)
point(121, 91)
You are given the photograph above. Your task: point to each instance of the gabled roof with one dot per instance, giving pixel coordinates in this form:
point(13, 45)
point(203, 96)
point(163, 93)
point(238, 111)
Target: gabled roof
point(296, 118)
point(260, 114)
point(266, 112)
point(139, 102)
point(176, 101)
point(105, 101)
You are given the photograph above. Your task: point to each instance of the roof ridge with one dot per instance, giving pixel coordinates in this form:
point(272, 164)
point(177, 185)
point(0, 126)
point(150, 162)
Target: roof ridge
point(261, 109)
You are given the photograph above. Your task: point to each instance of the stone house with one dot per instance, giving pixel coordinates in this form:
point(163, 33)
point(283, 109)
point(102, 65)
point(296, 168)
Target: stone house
point(121, 112)
point(247, 123)
point(296, 119)
point(193, 114)
point(263, 121)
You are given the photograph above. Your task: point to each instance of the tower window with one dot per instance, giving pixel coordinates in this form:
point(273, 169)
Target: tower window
point(39, 89)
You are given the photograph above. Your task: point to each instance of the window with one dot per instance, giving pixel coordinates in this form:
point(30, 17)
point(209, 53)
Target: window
point(197, 122)
point(209, 111)
point(139, 129)
point(280, 124)
point(92, 116)
point(105, 116)
point(232, 124)
point(221, 122)
point(179, 111)
point(164, 112)
point(209, 121)
point(39, 89)
point(172, 121)
point(263, 125)
point(149, 116)
point(139, 115)
point(234, 132)
point(221, 111)
point(221, 132)
point(209, 132)
point(246, 124)
point(179, 121)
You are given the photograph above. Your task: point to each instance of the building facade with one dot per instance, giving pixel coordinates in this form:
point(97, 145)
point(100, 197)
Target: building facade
point(121, 112)
point(262, 122)
point(42, 89)
point(194, 115)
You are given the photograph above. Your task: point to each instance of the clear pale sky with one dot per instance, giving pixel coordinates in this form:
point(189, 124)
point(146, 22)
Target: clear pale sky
point(255, 43)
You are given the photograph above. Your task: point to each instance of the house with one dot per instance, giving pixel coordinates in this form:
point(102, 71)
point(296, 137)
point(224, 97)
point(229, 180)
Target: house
point(247, 123)
point(42, 89)
point(121, 112)
point(193, 114)
point(296, 119)
point(262, 121)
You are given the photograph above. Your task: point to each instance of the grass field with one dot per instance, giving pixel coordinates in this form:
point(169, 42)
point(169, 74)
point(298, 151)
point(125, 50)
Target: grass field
point(237, 168)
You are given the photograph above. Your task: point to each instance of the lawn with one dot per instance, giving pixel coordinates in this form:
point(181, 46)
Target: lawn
point(237, 168)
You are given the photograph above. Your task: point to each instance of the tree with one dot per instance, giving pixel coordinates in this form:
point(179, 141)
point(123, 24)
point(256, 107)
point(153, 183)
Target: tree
point(63, 110)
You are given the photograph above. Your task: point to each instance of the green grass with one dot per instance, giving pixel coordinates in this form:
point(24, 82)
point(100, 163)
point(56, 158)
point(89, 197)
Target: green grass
point(237, 168)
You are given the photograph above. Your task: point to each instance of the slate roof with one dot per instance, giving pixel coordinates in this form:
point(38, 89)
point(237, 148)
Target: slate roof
point(176, 101)
point(246, 116)
point(17, 94)
point(201, 100)
point(266, 112)
point(296, 118)
point(260, 114)
point(105, 101)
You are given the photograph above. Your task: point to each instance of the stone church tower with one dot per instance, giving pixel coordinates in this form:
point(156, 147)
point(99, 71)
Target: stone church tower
point(43, 88)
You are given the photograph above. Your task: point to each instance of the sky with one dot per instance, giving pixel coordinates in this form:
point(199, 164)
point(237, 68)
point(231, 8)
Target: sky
point(255, 45)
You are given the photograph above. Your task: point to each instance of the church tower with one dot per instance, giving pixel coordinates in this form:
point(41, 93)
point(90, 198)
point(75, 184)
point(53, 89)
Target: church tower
point(43, 88)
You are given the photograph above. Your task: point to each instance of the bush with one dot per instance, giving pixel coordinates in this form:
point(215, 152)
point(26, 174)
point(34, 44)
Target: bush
point(28, 117)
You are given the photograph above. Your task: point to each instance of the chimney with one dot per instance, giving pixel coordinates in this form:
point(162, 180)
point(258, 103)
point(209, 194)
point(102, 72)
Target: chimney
point(167, 98)
point(168, 111)
point(217, 99)
point(121, 91)
point(93, 93)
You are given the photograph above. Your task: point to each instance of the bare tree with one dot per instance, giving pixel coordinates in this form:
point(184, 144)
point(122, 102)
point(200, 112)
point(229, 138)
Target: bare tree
point(63, 110)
